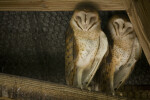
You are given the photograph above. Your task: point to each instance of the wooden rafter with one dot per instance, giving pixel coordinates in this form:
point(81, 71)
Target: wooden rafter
point(54, 5)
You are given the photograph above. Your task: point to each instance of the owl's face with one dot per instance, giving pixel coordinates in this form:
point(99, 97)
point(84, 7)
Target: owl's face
point(121, 27)
point(84, 20)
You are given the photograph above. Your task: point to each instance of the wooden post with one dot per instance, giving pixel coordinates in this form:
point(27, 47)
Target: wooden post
point(139, 14)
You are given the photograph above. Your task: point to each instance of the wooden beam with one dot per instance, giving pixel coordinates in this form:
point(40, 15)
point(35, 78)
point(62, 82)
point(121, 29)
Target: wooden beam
point(22, 88)
point(30, 89)
point(5, 98)
point(139, 14)
point(54, 5)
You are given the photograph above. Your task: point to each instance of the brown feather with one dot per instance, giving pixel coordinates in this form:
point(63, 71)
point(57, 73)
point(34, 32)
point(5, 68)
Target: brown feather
point(124, 53)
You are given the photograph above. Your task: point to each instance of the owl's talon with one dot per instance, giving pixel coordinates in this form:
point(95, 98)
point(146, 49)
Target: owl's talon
point(121, 94)
point(113, 93)
point(89, 89)
point(81, 87)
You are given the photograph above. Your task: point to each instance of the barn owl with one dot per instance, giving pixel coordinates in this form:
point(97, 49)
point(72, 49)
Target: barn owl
point(125, 51)
point(86, 46)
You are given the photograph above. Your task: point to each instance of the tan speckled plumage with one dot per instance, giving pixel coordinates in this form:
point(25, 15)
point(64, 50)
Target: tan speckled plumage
point(124, 53)
point(86, 46)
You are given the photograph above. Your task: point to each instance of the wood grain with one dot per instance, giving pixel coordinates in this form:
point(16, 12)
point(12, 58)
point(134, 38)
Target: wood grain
point(139, 14)
point(25, 88)
point(5, 98)
point(55, 5)
point(21, 88)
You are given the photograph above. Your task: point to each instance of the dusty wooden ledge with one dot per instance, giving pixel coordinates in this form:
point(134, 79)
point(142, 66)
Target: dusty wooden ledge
point(55, 5)
point(20, 87)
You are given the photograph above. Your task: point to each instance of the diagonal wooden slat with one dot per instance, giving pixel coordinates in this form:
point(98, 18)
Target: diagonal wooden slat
point(139, 14)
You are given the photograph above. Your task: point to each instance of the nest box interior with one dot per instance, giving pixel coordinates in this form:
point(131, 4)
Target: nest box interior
point(32, 44)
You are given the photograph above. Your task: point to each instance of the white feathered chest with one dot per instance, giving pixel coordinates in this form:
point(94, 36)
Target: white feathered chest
point(87, 51)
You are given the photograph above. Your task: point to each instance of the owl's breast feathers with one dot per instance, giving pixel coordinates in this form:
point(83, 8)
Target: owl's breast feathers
point(124, 53)
point(84, 51)
point(96, 50)
point(87, 49)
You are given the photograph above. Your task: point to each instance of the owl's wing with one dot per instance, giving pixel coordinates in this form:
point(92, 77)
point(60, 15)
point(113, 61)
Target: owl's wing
point(101, 53)
point(123, 73)
point(69, 57)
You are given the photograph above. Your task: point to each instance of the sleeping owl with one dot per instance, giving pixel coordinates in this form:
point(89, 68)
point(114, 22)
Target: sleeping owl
point(125, 51)
point(86, 46)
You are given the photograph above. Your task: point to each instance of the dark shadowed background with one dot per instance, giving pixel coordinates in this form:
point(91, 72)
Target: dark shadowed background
point(32, 44)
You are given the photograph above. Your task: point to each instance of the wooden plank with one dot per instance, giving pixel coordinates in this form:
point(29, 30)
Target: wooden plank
point(25, 88)
point(54, 5)
point(139, 14)
point(22, 88)
point(5, 98)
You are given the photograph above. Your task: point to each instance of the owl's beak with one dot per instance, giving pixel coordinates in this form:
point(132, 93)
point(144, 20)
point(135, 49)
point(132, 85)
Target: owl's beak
point(85, 27)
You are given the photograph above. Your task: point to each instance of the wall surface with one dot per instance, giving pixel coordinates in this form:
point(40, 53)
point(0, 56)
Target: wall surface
point(32, 44)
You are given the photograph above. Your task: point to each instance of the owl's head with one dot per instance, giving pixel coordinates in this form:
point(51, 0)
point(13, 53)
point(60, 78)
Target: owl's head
point(120, 26)
point(85, 18)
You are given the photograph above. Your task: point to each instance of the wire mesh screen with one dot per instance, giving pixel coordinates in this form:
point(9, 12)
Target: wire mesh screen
point(32, 44)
